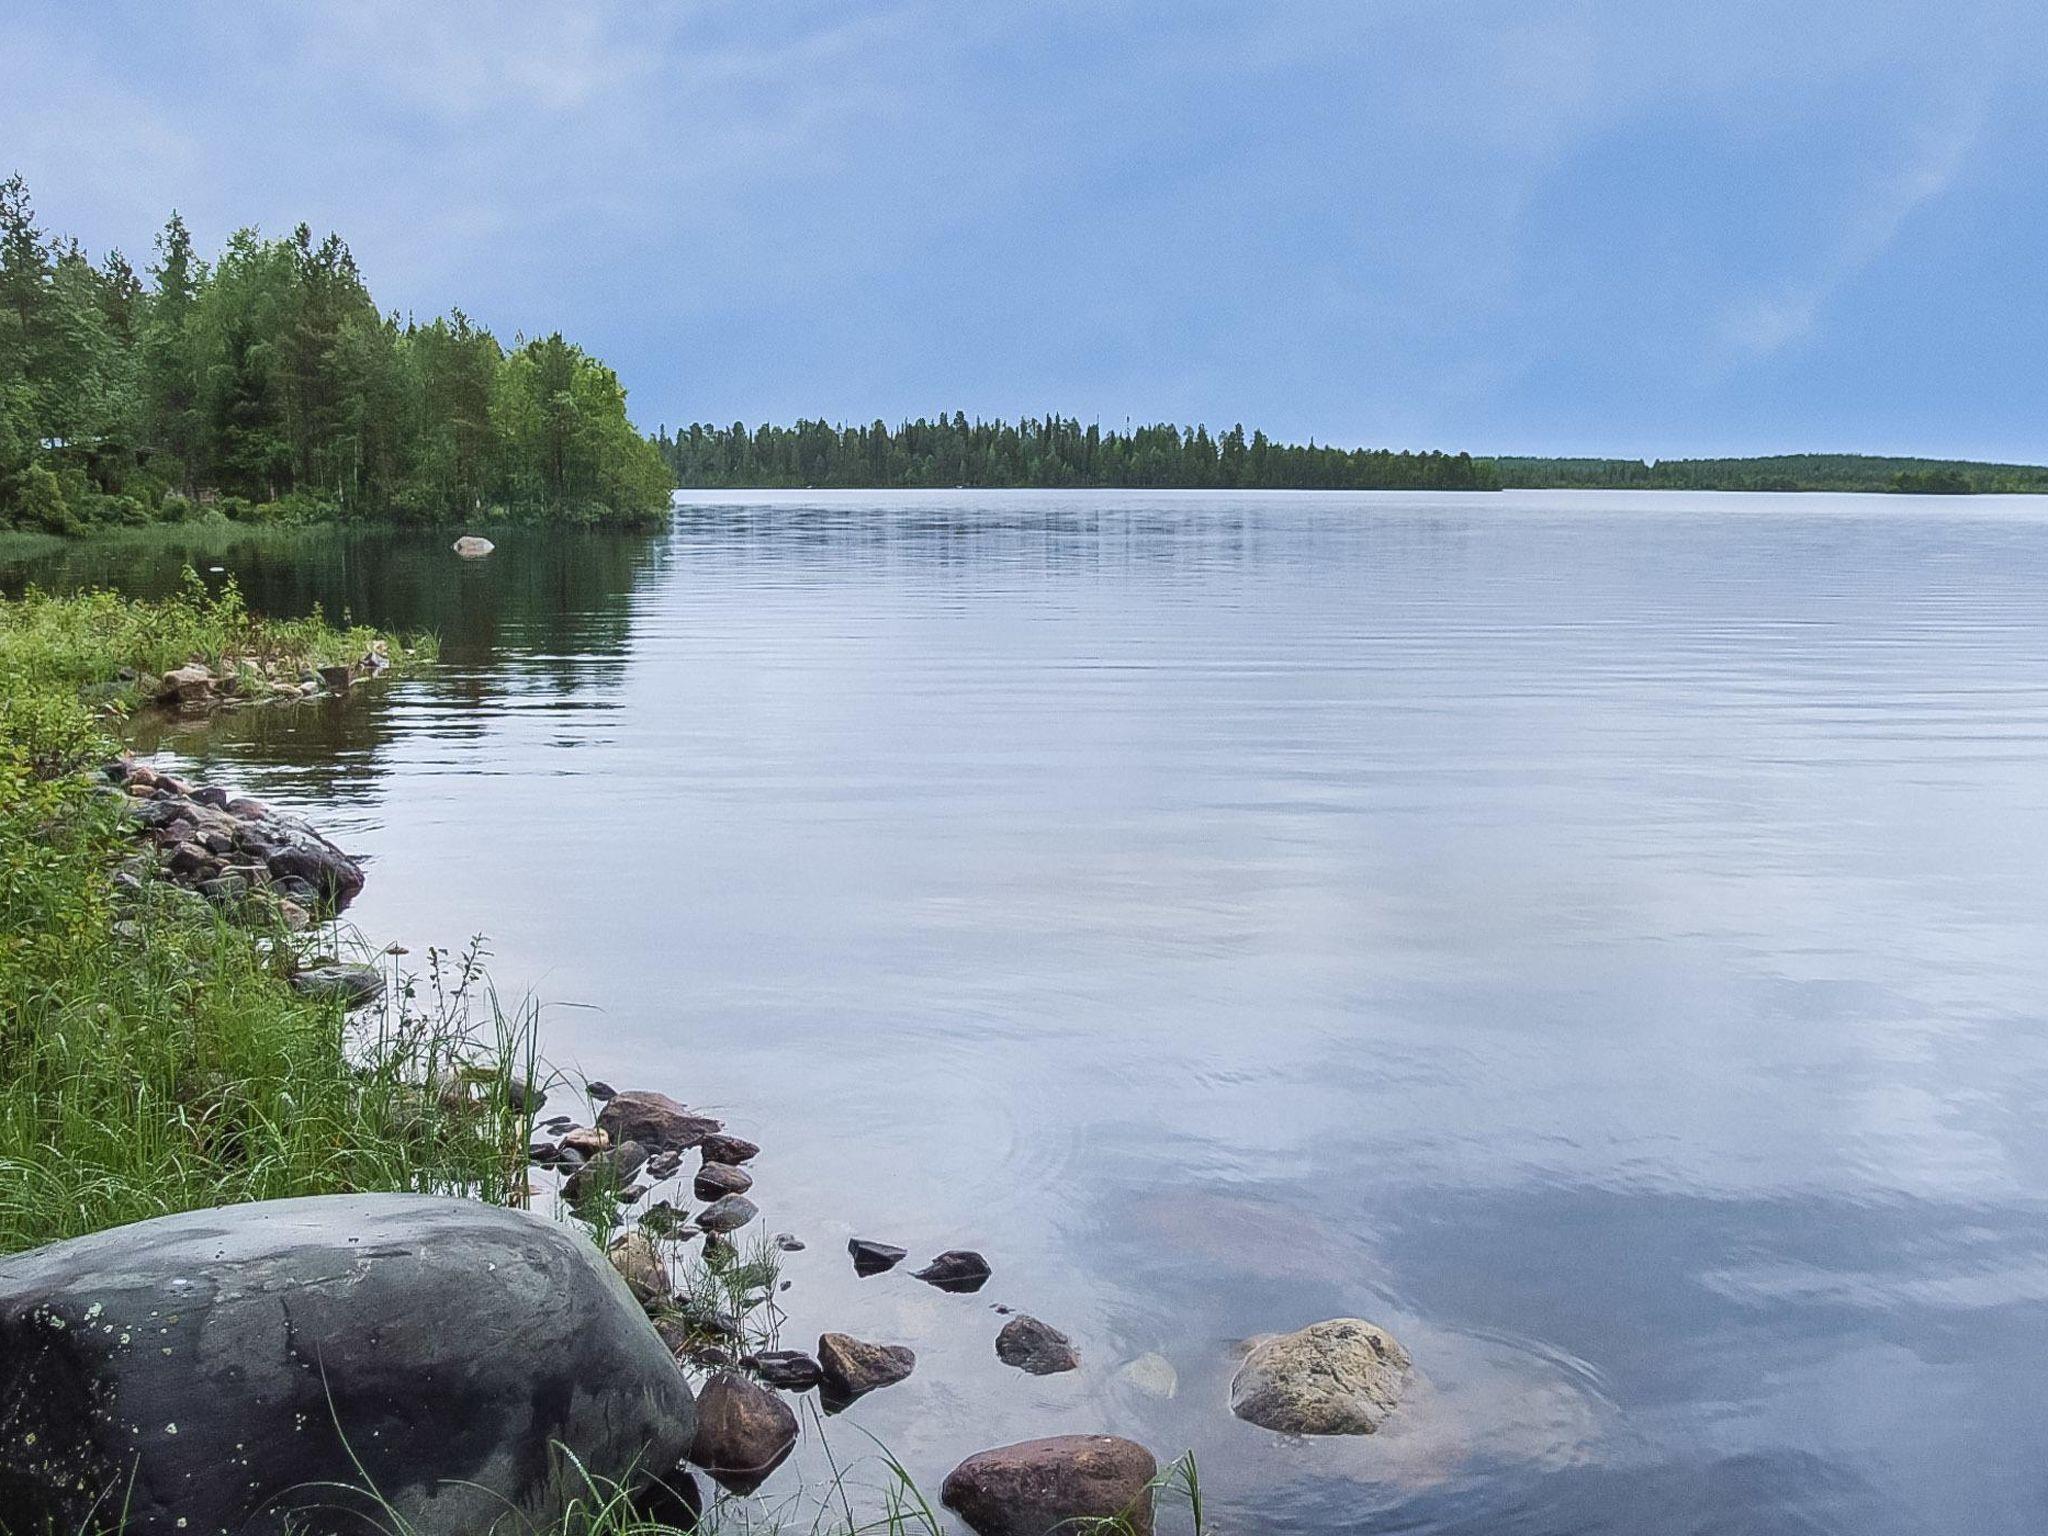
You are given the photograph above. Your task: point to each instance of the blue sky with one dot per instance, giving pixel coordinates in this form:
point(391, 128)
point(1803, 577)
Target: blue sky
point(1651, 227)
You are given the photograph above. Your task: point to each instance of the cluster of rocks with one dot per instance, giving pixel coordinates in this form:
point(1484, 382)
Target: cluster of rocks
point(240, 854)
point(197, 688)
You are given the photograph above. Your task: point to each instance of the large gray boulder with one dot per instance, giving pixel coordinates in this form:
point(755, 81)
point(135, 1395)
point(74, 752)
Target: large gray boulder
point(1341, 1377)
point(219, 1370)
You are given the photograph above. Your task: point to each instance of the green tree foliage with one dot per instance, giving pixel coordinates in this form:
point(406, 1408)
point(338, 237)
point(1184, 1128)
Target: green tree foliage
point(267, 384)
point(1047, 451)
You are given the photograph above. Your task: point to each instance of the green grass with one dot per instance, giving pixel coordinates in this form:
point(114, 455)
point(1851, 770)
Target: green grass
point(152, 1058)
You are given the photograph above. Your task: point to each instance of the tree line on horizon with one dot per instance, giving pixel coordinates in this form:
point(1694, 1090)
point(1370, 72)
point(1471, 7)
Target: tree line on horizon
point(1850, 472)
point(1047, 451)
point(265, 385)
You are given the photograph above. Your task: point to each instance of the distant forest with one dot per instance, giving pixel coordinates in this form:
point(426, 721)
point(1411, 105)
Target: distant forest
point(1784, 472)
point(265, 385)
point(1046, 451)
point(1051, 451)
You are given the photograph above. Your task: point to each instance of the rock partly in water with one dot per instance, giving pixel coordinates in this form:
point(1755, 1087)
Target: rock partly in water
point(790, 1369)
point(728, 1214)
point(472, 547)
point(350, 985)
point(744, 1432)
point(716, 1179)
point(852, 1367)
point(956, 1270)
point(1043, 1486)
point(870, 1258)
point(1036, 1347)
point(605, 1174)
point(654, 1120)
point(198, 838)
point(320, 1345)
point(721, 1148)
point(1341, 1377)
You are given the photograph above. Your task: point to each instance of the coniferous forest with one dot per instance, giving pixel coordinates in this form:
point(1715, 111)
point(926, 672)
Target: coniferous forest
point(265, 385)
point(1046, 451)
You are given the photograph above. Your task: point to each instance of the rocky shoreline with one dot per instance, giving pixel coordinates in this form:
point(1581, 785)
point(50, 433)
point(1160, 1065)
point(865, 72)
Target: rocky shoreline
point(663, 1370)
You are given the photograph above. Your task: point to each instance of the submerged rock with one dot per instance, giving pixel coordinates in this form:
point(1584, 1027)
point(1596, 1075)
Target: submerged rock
point(350, 985)
point(871, 1258)
point(1040, 1487)
point(654, 1120)
point(958, 1270)
point(1341, 1377)
point(853, 1367)
point(744, 1432)
point(1152, 1374)
point(316, 1346)
point(1036, 1347)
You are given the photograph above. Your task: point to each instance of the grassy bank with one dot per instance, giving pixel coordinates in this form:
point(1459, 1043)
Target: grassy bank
point(152, 1056)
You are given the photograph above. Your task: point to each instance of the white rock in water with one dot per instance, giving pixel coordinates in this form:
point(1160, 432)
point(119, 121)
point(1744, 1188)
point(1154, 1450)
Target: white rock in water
point(1341, 1377)
point(470, 547)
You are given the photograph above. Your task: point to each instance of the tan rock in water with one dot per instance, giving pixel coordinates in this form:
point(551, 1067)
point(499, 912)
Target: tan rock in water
point(1341, 1377)
point(470, 547)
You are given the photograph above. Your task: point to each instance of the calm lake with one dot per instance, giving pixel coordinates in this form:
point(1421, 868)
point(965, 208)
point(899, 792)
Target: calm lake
point(1601, 938)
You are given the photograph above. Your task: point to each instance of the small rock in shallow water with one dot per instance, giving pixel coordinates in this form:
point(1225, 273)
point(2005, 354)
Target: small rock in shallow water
point(1036, 1347)
point(873, 1258)
point(957, 1270)
point(744, 1432)
point(600, 1091)
point(1341, 1377)
point(789, 1242)
point(586, 1139)
point(350, 985)
point(716, 1179)
point(852, 1367)
point(666, 1166)
point(728, 1214)
point(790, 1369)
point(472, 547)
point(721, 1148)
point(1040, 1487)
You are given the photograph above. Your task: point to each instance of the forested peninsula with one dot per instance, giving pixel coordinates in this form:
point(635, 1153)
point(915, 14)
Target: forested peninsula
point(266, 385)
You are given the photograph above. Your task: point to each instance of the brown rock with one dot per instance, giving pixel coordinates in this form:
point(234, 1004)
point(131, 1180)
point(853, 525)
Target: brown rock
point(1041, 1486)
point(654, 1120)
point(1036, 1347)
point(852, 1367)
point(640, 1266)
point(716, 1179)
point(586, 1139)
point(744, 1432)
point(729, 1149)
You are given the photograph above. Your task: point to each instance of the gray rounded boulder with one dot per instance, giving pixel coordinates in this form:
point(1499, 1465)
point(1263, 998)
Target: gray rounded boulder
point(224, 1370)
point(1341, 1377)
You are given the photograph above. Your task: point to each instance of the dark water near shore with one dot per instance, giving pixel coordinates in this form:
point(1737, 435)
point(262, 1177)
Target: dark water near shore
point(1600, 938)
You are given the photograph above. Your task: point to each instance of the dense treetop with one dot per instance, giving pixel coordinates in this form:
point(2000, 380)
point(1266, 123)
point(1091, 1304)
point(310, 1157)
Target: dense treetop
point(265, 384)
point(1045, 451)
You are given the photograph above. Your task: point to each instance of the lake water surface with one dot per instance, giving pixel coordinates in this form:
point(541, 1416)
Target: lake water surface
point(1602, 938)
